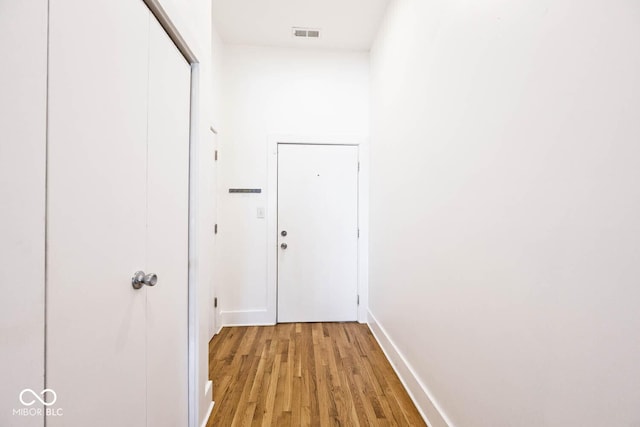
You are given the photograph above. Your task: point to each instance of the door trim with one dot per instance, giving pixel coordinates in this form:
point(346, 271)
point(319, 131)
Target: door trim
point(270, 315)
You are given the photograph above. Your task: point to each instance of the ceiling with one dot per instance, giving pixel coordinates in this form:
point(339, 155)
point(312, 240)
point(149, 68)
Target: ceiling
point(344, 24)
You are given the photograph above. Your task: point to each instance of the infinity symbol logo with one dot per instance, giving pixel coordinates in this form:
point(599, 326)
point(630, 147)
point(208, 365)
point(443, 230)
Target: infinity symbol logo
point(36, 396)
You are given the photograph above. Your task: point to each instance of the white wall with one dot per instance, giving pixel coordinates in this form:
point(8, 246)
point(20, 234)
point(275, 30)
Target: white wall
point(504, 207)
point(270, 91)
point(23, 79)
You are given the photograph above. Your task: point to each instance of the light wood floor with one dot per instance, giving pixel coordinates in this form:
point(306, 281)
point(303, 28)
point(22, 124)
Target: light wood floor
point(299, 374)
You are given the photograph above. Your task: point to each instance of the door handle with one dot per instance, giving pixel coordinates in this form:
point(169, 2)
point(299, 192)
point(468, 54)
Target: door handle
point(283, 246)
point(140, 279)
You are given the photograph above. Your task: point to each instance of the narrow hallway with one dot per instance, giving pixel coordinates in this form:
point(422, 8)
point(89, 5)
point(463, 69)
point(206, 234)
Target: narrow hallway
point(299, 374)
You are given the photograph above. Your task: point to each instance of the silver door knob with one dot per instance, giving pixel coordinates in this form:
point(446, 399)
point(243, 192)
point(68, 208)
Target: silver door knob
point(140, 279)
point(283, 246)
point(150, 279)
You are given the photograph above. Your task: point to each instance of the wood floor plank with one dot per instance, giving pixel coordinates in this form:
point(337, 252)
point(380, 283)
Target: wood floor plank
point(305, 374)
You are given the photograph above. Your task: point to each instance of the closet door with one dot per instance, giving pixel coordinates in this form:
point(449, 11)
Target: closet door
point(168, 227)
point(97, 221)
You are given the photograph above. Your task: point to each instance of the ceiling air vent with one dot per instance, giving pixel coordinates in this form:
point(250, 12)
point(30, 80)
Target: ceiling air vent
point(312, 33)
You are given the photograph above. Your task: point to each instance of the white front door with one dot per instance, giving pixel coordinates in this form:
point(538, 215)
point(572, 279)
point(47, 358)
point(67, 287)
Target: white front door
point(117, 193)
point(317, 233)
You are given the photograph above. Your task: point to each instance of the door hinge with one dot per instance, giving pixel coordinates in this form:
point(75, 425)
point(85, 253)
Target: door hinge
point(358, 300)
point(215, 229)
point(358, 233)
point(358, 166)
point(215, 157)
point(215, 302)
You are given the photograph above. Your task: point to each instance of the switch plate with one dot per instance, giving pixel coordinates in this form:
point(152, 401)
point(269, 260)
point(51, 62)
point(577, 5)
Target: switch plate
point(260, 213)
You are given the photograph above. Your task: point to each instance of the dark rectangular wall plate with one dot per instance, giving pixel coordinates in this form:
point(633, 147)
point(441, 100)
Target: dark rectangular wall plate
point(245, 190)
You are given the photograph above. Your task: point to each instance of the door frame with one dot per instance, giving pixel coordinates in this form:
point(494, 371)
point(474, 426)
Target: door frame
point(173, 22)
point(270, 314)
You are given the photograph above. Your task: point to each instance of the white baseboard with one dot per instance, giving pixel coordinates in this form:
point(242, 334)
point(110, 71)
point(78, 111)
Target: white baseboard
point(419, 393)
point(208, 390)
point(247, 318)
point(207, 415)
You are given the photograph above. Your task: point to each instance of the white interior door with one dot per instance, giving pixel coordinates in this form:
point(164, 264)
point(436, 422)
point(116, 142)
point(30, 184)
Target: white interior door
point(96, 326)
point(317, 233)
point(167, 231)
point(117, 203)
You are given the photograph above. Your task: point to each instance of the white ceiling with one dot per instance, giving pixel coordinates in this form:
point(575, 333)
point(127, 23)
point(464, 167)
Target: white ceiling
point(344, 24)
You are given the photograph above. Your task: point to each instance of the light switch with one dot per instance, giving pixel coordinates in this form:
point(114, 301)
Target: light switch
point(260, 213)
